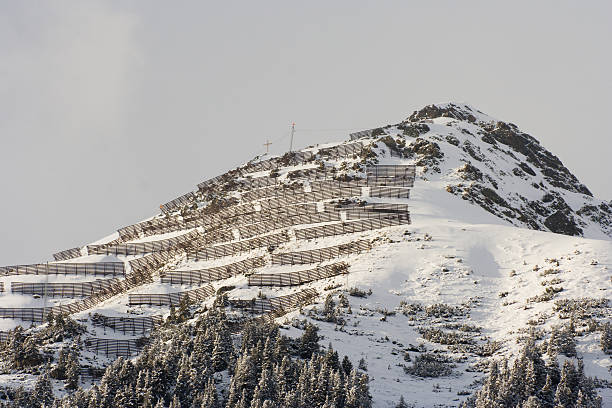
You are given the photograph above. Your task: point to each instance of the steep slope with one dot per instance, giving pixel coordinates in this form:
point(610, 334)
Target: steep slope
point(425, 273)
point(507, 172)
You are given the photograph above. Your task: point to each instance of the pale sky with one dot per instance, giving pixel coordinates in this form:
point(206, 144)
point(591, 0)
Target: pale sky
point(110, 108)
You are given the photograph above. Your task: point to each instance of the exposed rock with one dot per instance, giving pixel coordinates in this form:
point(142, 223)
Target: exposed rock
point(562, 224)
point(469, 172)
point(450, 111)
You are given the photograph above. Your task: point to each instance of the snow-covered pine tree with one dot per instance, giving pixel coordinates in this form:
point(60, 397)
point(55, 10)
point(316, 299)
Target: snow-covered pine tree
point(401, 403)
point(42, 395)
point(606, 338)
point(309, 342)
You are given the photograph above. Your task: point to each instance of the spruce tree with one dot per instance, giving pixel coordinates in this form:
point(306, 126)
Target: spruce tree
point(347, 366)
point(309, 342)
point(222, 348)
point(42, 395)
point(606, 338)
point(73, 371)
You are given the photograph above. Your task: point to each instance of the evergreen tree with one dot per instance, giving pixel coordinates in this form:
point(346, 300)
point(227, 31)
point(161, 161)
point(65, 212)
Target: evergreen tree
point(532, 402)
point(347, 366)
point(42, 395)
point(606, 338)
point(221, 352)
point(210, 398)
point(402, 403)
point(73, 371)
point(309, 342)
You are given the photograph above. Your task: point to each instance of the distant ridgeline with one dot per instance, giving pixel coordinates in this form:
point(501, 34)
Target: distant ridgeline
point(232, 227)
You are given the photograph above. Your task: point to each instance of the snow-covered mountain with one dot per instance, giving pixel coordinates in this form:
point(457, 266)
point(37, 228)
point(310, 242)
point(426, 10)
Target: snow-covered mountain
point(423, 278)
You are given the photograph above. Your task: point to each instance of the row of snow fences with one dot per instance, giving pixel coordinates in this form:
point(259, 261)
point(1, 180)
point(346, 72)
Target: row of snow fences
point(125, 325)
point(71, 290)
point(234, 248)
point(115, 347)
point(285, 199)
point(361, 134)
point(85, 269)
point(178, 202)
point(137, 248)
point(148, 263)
point(380, 175)
point(398, 171)
point(171, 299)
point(29, 314)
point(1, 287)
point(321, 254)
point(141, 269)
point(298, 277)
point(278, 223)
point(260, 306)
point(389, 192)
point(156, 226)
point(352, 226)
point(368, 207)
point(67, 254)
point(275, 162)
point(196, 277)
point(343, 150)
point(370, 210)
point(241, 213)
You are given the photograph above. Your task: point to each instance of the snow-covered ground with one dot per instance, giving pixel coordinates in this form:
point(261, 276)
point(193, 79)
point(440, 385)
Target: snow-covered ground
point(486, 265)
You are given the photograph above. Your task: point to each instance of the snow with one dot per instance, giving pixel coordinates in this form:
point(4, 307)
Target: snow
point(454, 253)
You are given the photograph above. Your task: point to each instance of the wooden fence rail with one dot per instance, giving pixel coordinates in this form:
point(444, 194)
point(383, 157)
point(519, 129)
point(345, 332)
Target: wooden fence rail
point(156, 226)
point(200, 276)
point(389, 192)
point(92, 269)
point(115, 347)
point(276, 223)
point(343, 150)
point(171, 299)
point(141, 273)
point(310, 197)
point(220, 251)
point(138, 248)
point(67, 254)
point(320, 254)
point(261, 306)
point(140, 324)
point(77, 289)
point(351, 227)
point(298, 277)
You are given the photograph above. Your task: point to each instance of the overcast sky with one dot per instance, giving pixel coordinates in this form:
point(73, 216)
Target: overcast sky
point(108, 109)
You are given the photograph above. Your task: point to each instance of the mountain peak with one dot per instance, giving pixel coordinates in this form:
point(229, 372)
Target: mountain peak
point(494, 164)
point(455, 110)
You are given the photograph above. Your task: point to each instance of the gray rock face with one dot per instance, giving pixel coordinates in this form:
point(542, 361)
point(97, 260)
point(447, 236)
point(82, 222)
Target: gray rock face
point(505, 171)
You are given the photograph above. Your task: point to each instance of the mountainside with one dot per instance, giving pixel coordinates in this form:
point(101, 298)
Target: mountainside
point(505, 171)
point(423, 251)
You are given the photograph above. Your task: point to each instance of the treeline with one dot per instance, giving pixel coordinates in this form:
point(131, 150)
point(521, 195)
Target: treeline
point(530, 382)
point(204, 365)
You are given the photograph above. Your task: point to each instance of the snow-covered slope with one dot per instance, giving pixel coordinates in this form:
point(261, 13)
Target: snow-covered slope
point(498, 167)
point(503, 241)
